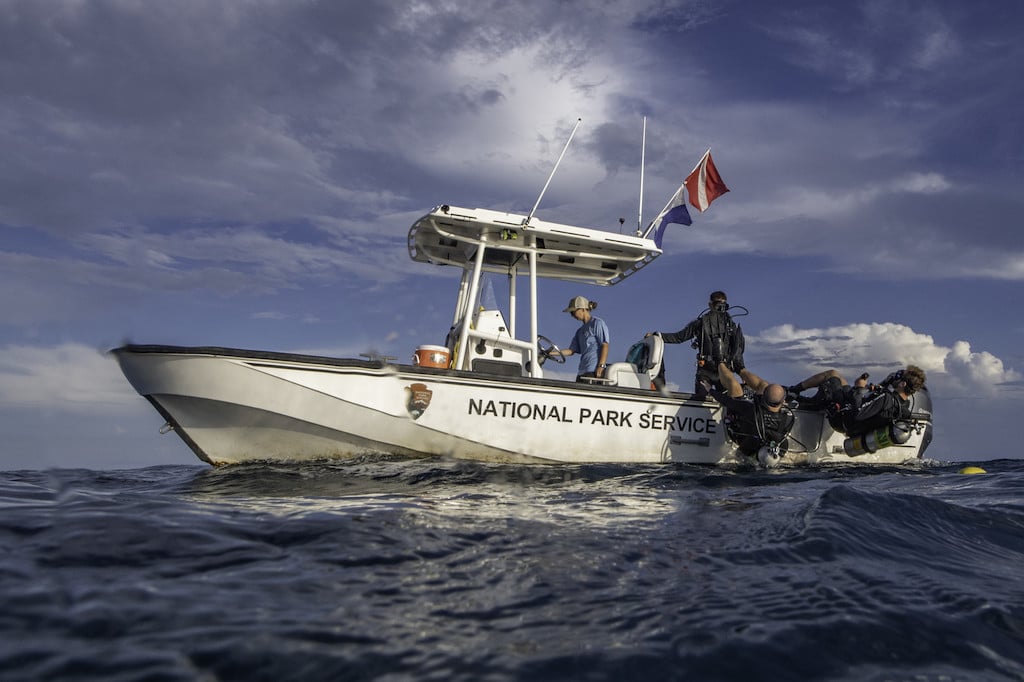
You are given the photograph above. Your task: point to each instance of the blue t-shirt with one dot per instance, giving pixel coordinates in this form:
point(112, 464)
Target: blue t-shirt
point(587, 343)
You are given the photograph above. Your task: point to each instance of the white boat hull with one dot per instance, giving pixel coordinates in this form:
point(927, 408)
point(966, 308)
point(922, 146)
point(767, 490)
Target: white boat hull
point(233, 406)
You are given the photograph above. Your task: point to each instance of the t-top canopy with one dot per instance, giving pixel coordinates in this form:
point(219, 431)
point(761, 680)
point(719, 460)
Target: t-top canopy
point(449, 235)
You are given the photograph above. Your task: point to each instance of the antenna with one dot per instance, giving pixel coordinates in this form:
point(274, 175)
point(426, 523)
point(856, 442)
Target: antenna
point(643, 149)
point(526, 222)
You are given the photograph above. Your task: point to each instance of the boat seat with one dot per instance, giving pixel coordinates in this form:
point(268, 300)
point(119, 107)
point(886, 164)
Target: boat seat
point(491, 348)
point(642, 364)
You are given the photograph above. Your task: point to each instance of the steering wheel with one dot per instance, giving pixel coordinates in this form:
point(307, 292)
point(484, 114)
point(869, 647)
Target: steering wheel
point(548, 350)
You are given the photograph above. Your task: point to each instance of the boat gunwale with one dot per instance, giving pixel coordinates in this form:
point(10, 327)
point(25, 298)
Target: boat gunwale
point(305, 359)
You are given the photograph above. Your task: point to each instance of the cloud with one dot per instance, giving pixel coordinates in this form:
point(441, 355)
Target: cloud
point(921, 183)
point(977, 369)
point(868, 44)
point(138, 120)
point(269, 315)
point(879, 348)
point(68, 377)
point(130, 114)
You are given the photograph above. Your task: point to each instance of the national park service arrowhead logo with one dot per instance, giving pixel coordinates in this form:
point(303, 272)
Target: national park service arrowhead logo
point(417, 399)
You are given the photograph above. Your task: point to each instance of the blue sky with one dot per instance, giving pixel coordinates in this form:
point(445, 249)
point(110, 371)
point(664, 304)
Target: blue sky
point(244, 174)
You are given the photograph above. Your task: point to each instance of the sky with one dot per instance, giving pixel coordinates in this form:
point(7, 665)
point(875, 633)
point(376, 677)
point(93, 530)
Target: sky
point(244, 174)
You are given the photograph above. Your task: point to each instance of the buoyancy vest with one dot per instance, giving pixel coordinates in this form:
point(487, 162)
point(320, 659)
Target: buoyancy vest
point(854, 411)
point(719, 338)
point(767, 427)
point(872, 411)
point(776, 425)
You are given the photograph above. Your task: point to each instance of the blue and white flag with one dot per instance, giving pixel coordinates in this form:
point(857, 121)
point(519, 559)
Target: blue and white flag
point(674, 212)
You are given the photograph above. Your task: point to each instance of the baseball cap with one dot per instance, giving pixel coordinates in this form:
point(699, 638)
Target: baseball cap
point(576, 303)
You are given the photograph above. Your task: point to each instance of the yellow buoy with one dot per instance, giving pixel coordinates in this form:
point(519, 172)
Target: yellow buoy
point(973, 470)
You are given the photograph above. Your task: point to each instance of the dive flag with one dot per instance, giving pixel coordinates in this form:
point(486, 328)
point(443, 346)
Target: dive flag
point(704, 184)
point(674, 212)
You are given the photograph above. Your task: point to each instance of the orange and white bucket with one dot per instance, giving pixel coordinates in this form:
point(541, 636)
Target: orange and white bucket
point(431, 356)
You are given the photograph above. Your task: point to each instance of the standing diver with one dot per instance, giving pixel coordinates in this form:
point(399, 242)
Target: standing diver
point(717, 339)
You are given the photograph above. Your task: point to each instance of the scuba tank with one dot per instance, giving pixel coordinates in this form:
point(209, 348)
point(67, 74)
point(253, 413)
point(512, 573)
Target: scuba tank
point(873, 441)
point(769, 456)
point(719, 337)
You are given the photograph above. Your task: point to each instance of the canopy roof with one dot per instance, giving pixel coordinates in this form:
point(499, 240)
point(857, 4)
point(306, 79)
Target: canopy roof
point(449, 235)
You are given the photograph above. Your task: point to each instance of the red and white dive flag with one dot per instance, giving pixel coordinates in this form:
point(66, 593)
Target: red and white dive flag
point(704, 184)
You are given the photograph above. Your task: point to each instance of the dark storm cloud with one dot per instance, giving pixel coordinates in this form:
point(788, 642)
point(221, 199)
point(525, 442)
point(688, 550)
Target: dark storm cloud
point(615, 146)
point(116, 115)
point(138, 131)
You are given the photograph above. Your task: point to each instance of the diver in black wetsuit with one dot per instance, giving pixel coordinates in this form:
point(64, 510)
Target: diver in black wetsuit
point(717, 338)
point(860, 409)
point(758, 421)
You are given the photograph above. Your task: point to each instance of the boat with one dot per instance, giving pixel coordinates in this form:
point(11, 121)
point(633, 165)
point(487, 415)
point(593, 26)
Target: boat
point(483, 394)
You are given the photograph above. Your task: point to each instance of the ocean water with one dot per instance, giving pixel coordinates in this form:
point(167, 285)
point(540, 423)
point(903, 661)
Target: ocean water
point(385, 569)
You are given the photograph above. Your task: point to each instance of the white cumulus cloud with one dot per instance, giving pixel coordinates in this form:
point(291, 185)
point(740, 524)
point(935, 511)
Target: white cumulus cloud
point(973, 368)
point(879, 348)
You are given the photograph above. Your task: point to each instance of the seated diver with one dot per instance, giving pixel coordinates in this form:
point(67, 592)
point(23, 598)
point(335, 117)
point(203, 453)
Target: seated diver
point(861, 408)
point(758, 422)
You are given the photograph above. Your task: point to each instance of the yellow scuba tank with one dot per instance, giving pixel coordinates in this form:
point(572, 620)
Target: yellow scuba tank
point(874, 441)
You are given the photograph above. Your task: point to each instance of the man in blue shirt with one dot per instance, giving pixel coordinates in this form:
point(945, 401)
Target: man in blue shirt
point(591, 339)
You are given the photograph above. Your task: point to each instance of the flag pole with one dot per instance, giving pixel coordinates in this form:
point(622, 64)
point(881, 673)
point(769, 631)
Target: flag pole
point(667, 204)
point(526, 223)
point(643, 149)
point(702, 157)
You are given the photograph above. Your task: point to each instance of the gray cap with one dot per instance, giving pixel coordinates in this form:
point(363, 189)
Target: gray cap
point(576, 303)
